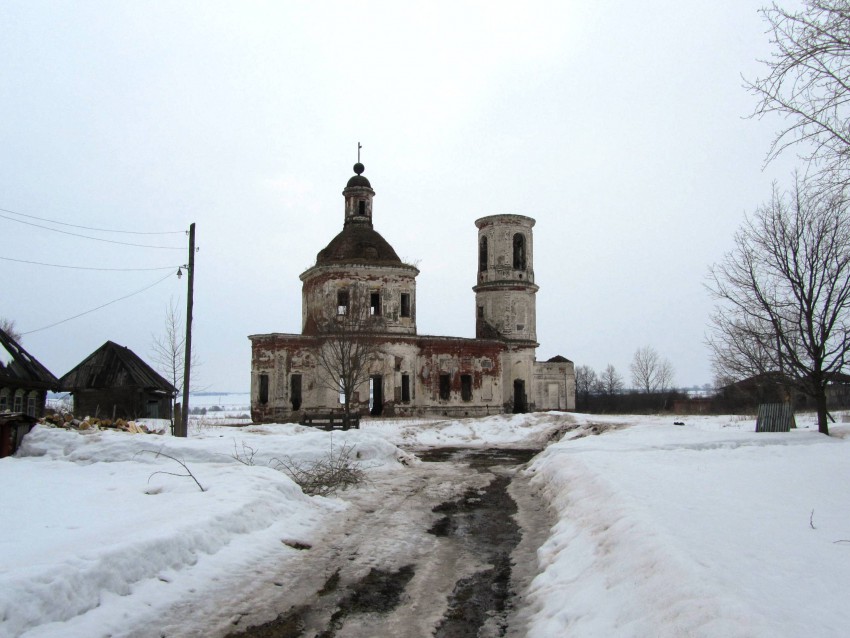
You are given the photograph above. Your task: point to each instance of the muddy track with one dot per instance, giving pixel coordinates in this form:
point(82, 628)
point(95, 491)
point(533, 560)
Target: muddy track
point(436, 550)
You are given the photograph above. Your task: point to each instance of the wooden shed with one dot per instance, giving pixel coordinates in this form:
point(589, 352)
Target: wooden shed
point(113, 382)
point(24, 382)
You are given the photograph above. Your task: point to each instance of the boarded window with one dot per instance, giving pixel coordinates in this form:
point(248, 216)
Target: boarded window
point(264, 389)
point(375, 304)
point(445, 386)
point(405, 388)
point(295, 391)
point(342, 302)
point(405, 304)
point(466, 387)
point(519, 251)
point(482, 255)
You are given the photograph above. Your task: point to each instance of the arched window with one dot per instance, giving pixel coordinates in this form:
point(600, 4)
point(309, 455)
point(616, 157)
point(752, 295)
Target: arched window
point(482, 255)
point(519, 251)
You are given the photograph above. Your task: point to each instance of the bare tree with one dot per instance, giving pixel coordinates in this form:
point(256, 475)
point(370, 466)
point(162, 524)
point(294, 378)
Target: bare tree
point(8, 326)
point(650, 372)
point(784, 294)
point(168, 352)
point(348, 347)
point(610, 381)
point(808, 85)
point(586, 382)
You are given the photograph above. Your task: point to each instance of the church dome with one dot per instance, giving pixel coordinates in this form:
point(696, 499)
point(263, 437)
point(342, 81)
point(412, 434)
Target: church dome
point(358, 180)
point(358, 244)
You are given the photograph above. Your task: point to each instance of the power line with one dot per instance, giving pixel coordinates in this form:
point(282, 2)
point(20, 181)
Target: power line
point(109, 241)
point(102, 230)
point(39, 263)
point(109, 303)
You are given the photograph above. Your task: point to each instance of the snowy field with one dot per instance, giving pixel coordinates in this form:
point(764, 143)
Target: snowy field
point(706, 529)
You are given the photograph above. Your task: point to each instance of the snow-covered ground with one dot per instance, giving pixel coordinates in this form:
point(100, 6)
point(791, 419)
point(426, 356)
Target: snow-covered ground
point(706, 529)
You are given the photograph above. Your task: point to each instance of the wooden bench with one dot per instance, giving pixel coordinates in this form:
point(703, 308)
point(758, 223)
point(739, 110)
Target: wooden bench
point(330, 420)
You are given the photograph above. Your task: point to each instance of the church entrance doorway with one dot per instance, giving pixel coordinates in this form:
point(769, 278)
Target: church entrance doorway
point(520, 404)
point(376, 395)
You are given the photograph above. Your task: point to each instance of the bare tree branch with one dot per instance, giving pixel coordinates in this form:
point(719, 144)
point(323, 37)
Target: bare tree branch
point(808, 84)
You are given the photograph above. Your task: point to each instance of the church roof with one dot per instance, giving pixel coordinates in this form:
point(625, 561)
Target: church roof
point(358, 243)
point(358, 179)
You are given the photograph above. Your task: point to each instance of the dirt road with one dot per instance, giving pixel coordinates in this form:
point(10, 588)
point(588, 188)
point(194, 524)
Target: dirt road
point(443, 549)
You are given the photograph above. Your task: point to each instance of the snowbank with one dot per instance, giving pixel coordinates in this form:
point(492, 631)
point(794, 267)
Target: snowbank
point(90, 519)
point(707, 529)
point(501, 430)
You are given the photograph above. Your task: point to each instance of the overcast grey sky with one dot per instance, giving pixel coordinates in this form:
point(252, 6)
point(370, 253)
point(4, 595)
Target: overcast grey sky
point(619, 126)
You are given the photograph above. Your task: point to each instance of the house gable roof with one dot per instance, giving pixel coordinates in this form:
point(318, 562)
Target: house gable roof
point(23, 368)
point(114, 366)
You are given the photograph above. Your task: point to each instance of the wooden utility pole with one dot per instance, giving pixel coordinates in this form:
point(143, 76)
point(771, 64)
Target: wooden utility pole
point(184, 420)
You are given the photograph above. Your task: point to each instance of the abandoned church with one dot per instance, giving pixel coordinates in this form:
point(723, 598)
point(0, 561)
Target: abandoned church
point(359, 326)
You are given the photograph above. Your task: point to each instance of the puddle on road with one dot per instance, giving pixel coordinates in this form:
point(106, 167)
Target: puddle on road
point(481, 521)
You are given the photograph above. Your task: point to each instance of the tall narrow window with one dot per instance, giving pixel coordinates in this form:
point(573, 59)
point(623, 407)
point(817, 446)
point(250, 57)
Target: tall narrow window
point(519, 251)
point(405, 388)
point(31, 406)
point(482, 255)
point(19, 403)
point(342, 302)
point(375, 304)
point(466, 387)
point(445, 387)
point(264, 389)
point(405, 304)
point(361, 207)
point(4, 402)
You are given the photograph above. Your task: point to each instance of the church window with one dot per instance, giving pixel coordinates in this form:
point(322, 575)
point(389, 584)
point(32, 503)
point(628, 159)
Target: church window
point(482, 255)
point(466, 387)
point(342, 302)
point(445, 386)
point(264, 389)
point(405, 388)
point(405, 304)
point(519, 251)
point(375, 304)
point(480, 312)
point(361, 207)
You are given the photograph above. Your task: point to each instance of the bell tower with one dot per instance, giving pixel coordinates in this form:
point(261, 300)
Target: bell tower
point(505, 302)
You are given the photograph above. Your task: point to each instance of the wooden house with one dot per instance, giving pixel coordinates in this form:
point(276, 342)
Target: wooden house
point(113, 382)
point(24, 382)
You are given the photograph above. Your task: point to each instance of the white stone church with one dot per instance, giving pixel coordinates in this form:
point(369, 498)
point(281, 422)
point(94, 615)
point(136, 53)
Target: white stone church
point(411, 374)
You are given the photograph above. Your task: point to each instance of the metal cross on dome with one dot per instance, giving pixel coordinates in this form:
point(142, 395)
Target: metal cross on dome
point(359, 146)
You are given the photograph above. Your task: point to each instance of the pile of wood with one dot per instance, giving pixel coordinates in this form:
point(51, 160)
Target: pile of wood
point(69, 422)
